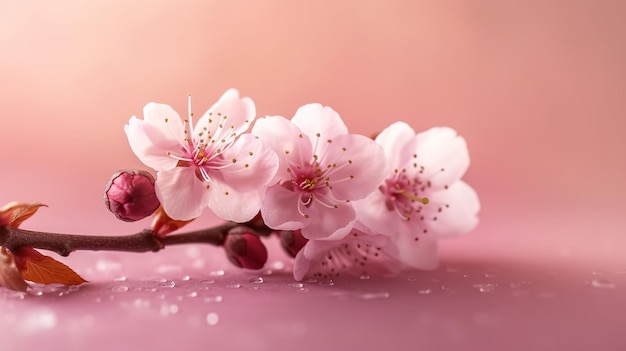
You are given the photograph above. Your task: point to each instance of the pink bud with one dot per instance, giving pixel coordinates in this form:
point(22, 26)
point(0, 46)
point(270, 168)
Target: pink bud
point(130, 195)
point(292, 241)
point(244, 248)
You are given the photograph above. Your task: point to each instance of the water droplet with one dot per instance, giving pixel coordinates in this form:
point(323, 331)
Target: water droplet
point(167, 284)
point(207, 282)
point(602, 284)
point(364, 277)
point(186, 278)
point(217, 273)
point(192, 294)
point(425, 291)
point(120, 288)
point(36, 292)
point(311, 280)
point(268, 272)
point(374, 296)
point(256, 280)
point(296, 285)
point(120, 279)
point(73, 288)
point(327, 283)
point(211, 299)
point(233, 286)
point(486, 288)
point(212, 318)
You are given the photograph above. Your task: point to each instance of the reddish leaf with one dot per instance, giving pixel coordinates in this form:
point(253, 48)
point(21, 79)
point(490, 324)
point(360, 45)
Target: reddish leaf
point(14, 213)
point(46, 270)
point(10, 276)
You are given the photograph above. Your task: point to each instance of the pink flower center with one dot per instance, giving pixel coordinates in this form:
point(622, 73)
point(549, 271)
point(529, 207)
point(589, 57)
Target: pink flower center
point(402, 194)
point(204, 149)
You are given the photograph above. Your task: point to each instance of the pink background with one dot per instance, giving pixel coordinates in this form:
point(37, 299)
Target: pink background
point(536, 87)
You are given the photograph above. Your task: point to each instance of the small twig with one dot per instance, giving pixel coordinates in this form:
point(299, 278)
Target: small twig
point(144, 241)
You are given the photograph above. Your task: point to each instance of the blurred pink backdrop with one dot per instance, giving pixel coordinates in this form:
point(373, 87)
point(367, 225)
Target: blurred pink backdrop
point(536, 87)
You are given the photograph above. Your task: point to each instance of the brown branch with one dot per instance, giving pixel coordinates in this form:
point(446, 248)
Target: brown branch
point(144, 241)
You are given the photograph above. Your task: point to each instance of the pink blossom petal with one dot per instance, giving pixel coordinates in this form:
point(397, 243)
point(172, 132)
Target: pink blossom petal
point(420, 254)
point(251, 165)
point(151, 141)
point(328, 223)
point(282, 136)
point(462, 215)
point(315, 118)
point(231, 205)
point(375, 216)
point(442, 153)
point(393, 139)
point(240, 112)
point(182, 194)
point(360, 166)
point(280, 209)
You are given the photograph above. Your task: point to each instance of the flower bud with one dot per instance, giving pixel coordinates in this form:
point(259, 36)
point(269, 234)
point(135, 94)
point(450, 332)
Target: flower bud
point(130, 195)
point(245, 249)
point(292, 241)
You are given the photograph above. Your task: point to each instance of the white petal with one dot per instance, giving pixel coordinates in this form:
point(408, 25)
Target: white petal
point(442, 152)
point(234, 206)
point(283, 137)
point(153, 138)
point(315, 118)
point(393, 139)
point(251, 165)
point(182, 195)
point(279, 209)
point(462, 215)
point(360, 169)
point(421, 254)
point(239, 111)
point(328, 223)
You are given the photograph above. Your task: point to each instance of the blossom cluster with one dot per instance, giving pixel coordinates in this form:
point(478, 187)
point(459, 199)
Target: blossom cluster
point(344, 202)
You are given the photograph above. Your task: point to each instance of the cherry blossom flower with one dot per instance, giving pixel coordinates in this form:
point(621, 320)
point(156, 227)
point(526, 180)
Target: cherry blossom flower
point(210, 164)
point(322, 169)
point(423, 198)
point(357, 254)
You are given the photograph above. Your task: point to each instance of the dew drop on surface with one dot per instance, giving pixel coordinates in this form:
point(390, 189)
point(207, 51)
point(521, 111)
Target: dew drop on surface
point(425, 291)
point(192, 294)
point(602, 284)
point(486, 288)
point(233, 286)
point(327, 283)
point(268, 272)
point(167, 284)
point(311, 280)
point(186, 278)
point(212, 318)
point(256, 280)
point(120, 288)
point(35, 292)
point(217, 273)
point(374, 296)
point(212, 299)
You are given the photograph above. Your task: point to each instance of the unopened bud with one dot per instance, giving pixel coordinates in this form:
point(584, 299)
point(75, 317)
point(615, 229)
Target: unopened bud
point(130, 195)
point(292, 241)
point(245, 249)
